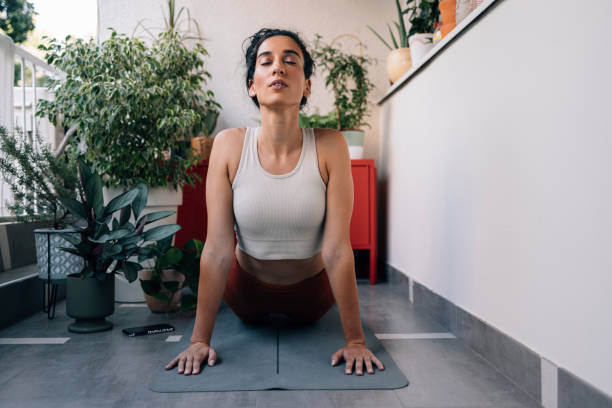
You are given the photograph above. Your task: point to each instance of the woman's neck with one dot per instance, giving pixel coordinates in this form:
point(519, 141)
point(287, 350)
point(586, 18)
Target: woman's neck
point(280, 133)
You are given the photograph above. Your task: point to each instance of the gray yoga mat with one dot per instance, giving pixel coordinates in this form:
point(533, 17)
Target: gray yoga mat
point(277, 354)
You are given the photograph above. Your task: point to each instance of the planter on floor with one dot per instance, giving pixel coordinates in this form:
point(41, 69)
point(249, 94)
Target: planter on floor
point(89, 301)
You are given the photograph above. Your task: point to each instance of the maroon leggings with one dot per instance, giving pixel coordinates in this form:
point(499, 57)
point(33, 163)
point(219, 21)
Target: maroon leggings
point(251, 299)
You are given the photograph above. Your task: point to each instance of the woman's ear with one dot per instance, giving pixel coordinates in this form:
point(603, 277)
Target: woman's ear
point(252, 92)
point(307, 88)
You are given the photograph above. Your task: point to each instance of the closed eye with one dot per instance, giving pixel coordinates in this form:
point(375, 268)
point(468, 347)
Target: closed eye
point(288, 62)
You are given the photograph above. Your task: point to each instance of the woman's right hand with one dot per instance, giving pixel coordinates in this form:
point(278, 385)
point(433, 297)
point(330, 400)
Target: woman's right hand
point(191, 359)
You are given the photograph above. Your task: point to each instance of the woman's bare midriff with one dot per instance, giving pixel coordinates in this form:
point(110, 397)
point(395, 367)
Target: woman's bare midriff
point(278, 271)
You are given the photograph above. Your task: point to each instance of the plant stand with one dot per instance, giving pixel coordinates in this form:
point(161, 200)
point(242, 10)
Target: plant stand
point(54, 265)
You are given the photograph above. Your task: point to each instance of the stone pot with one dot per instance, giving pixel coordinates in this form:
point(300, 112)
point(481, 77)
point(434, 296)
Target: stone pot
point(398, 63)
point(157, 305)
point(89, 301)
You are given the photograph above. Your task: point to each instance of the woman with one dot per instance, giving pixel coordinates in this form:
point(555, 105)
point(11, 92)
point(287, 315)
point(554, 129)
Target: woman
point(288, 193)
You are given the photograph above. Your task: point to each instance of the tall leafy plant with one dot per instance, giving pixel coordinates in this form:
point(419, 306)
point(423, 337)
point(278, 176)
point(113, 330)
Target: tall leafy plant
point(132, 104)
point(36, 178)
point(341, 68)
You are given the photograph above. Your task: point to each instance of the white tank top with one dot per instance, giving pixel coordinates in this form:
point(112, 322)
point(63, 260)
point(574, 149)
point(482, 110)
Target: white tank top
point(279, 216)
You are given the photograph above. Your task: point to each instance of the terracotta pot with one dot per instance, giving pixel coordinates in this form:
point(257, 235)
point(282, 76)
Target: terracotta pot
point(203, 145)
point(160, 306)
point(398, 63)
point(448, 10)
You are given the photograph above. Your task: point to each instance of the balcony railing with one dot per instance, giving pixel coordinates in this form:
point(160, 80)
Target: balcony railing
point(19, 94)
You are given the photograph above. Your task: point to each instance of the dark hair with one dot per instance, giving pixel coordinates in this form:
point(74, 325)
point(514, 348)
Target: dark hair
point(251, 55)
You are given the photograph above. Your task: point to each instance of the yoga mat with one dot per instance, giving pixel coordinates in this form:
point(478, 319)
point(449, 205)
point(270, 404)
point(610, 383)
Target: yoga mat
point(277, 354)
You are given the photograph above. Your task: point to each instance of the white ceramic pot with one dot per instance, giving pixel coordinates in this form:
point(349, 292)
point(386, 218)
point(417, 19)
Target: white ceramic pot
point(420, 45)
point(355, 139)
point(159, 199)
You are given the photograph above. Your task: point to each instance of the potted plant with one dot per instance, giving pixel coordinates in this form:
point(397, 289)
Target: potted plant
point(175, 268)
point(37, 179)
point(107, 246)
point(423, 19)
point(350, 105)
point(133, 106)
point(187, 29)
point(398, 61)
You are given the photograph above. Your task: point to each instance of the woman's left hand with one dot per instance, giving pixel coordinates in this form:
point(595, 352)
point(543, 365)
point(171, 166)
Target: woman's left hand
point(356, 353)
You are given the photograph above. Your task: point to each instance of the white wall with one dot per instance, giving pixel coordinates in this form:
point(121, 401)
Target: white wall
point(227, 24)
point(497, 161)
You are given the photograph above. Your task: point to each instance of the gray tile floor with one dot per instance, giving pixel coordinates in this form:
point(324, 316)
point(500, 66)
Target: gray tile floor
point(108, 369)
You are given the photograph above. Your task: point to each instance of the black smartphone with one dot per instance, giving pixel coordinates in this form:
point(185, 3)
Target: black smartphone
point(150, 329)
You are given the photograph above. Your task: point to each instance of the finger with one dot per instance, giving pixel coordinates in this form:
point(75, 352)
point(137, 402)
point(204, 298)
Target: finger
point(189, 364)
point(171, 363)
point(349, 366)
point(212, 357)
point(196, 365)
point(378, 363)
point(368, 363)
point(181, 364)
point(359, 366)
point(337, 357)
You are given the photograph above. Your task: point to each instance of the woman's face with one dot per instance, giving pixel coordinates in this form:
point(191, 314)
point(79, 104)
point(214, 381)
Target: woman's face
point(279, 57)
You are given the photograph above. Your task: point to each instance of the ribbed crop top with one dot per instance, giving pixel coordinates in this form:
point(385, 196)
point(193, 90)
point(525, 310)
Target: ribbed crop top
point(279, 216)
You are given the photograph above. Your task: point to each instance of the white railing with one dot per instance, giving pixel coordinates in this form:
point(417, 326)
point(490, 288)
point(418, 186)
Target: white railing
point(18, 103)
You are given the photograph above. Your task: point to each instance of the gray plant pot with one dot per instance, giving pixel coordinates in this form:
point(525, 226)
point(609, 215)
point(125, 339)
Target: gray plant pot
point(89, 301)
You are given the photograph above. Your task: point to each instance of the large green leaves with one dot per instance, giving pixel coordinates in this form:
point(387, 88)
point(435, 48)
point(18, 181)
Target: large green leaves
point(160, 232)
point(121, 201)
point(141, 200)
point(154, 216)
point(73, 207)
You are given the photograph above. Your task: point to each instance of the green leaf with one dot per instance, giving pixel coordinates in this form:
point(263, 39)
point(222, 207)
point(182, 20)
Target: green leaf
point(93, 194)
point(154, 216)
point(150, 287)
point(141, 200)
point(120, 201)
point(170, 258)
point(71, 238)
point(172, 286)
point(188, 302)
point(71, 250)
point(124, 215)
point(73, 207)
point(160, 232)
point(117, 234)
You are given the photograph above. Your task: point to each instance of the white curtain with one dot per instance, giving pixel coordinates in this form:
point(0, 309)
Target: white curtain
point(7, 58)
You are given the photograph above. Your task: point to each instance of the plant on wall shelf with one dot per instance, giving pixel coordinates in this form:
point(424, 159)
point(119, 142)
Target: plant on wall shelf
point(423, 18)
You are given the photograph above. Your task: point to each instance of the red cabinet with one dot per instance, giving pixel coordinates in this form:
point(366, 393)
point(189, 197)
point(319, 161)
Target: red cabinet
point(192, 216)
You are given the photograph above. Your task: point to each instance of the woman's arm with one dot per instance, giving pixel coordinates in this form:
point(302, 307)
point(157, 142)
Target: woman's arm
point(336, 248)
point(218, 253)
